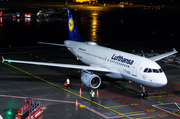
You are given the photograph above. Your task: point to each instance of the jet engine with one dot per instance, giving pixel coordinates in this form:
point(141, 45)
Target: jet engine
point(90, 80)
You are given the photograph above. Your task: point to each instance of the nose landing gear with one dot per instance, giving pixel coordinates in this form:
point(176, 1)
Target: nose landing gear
point(143, 93)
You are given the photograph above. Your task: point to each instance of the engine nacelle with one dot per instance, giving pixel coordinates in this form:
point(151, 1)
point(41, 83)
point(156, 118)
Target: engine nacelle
point(90, 80)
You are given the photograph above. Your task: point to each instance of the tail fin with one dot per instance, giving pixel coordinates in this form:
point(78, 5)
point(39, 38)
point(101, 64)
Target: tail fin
point(73, 31)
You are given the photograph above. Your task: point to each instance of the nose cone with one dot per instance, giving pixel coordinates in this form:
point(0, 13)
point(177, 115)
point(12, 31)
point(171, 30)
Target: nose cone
point(162, 80)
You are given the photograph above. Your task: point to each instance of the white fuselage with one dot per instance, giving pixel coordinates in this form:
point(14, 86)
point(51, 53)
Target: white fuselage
point(121, 64)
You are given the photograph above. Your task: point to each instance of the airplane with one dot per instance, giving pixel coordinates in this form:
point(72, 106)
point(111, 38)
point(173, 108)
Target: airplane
point(52, 11)
point(110, 62)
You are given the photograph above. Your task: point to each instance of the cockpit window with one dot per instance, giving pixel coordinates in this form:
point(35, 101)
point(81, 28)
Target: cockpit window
point(146, 70)
point(149, 70)
point(155, 71)
point(160, 70)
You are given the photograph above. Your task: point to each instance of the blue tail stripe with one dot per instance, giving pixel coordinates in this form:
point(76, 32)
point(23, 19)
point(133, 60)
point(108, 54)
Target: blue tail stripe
point(73, 31)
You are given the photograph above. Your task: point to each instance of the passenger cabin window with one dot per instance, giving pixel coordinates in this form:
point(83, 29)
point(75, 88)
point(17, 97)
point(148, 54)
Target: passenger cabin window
point(149, 70)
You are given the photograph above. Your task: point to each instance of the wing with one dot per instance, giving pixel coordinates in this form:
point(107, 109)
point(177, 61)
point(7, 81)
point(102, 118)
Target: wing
point(93, 68)
point(52, 44)
point(159, 57)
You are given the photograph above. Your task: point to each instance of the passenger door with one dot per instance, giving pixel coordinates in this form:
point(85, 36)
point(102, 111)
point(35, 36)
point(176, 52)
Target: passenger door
point(135, 68)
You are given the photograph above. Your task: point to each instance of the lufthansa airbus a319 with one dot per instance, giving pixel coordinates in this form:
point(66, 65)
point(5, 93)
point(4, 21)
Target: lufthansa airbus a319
point(112, 63)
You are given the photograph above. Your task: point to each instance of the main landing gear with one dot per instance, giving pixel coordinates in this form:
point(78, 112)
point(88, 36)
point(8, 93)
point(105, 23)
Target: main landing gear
point(143, 93)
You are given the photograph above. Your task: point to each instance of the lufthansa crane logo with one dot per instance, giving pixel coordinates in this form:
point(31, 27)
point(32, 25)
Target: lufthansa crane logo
point(71, 24)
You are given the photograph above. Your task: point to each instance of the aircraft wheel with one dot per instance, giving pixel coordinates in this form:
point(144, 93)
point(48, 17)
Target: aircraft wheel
point(142, 94)
point(146, 94)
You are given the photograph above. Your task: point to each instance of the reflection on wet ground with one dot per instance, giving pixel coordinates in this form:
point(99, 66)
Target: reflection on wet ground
point(128, 27)
point(132, 29)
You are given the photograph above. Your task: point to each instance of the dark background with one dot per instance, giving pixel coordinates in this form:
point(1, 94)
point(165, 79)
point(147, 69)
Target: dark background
point(128, 28)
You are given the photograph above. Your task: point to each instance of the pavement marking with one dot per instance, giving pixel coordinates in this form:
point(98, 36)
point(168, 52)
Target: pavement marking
point(118, 106)
point(156, 96)
point(118, 87)
point(153, 93)
point(10, 96)
point(43, 59)
point(161, 103)
point(149, 98)
point(105, 82)
point(134, 112)
point(92, 110)
point(128, 115)
point(146, 117)
point(131, 92)
point(67, 90)
point(134, 104)
point(176, 112)
point(37, 57)
point(156, 93)
point(173, 65)
point(170, 95)
point(166, 109)
point(75, 71)
point(146, 108)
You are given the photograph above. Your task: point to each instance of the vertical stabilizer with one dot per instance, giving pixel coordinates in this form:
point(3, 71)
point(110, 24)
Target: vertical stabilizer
point(73, 31)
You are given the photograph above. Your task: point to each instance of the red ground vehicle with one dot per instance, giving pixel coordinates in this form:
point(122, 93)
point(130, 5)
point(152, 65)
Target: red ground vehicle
point(30, 110)
point(28, 15)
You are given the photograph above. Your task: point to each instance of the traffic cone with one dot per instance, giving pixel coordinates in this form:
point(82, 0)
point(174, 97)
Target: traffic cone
point(97, 93)
point(76, 103)
point(80, 91)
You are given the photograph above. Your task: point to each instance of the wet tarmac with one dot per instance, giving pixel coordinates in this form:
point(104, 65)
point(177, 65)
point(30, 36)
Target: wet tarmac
point(123, 29)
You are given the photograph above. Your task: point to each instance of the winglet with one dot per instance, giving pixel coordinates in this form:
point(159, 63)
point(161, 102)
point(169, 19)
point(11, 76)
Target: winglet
point(2, 59)
point(175, 50)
